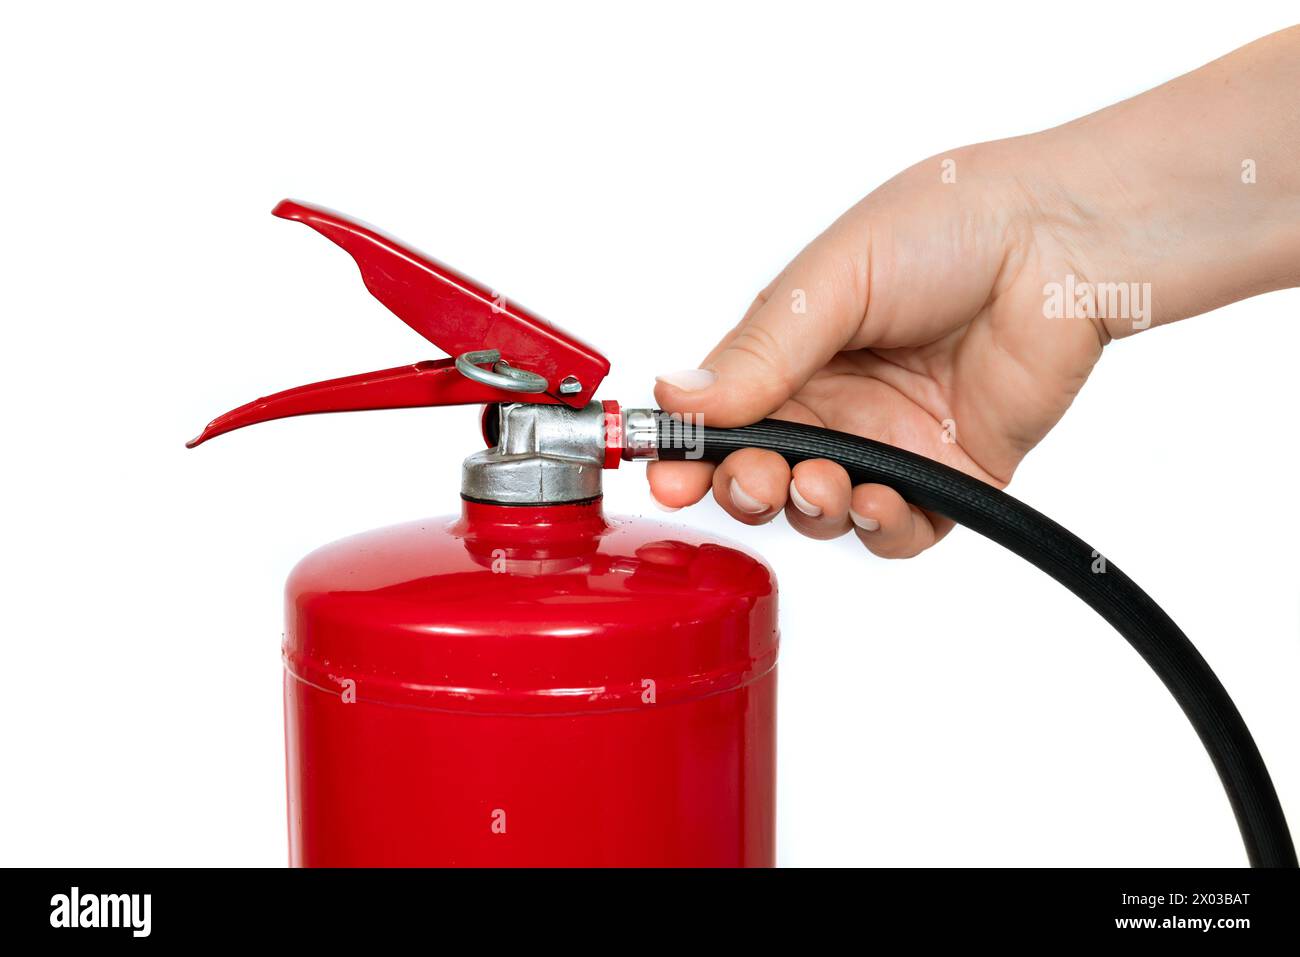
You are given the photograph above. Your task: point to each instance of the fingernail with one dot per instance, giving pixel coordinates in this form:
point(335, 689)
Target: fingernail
point(662, 507)
point(746, 502)
point(689, 380)
point(864, 523)
point(802, 504)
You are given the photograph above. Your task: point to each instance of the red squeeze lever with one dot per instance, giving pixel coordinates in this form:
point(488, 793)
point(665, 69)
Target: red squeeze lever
point(527, 358)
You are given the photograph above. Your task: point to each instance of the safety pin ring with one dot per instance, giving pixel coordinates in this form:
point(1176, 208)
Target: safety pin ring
point(502, 375)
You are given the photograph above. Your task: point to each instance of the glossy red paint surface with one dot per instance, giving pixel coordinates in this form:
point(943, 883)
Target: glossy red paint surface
point(531, 686)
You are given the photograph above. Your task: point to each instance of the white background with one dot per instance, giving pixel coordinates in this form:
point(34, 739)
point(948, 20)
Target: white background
point(636, 176)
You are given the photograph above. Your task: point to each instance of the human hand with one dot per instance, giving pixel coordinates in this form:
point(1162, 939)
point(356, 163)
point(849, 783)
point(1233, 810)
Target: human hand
point(927, 316)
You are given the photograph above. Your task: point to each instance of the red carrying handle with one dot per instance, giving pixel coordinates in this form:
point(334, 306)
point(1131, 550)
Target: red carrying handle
point(450, 310)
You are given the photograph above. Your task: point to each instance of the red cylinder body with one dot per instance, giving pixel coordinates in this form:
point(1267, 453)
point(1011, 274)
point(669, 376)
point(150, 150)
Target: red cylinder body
point(531, 686)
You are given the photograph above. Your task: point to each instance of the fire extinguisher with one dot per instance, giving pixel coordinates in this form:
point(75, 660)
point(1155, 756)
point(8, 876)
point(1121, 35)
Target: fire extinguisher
point(531, 682)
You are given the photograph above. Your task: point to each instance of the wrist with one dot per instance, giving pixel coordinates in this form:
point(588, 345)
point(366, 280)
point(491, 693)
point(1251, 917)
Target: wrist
point(1192, 188)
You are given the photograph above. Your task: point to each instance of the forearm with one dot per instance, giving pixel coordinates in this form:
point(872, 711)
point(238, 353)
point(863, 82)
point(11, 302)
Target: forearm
point(1193, 187)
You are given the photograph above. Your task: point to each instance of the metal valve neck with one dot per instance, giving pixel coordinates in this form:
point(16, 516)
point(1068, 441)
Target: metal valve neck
point(545, 455)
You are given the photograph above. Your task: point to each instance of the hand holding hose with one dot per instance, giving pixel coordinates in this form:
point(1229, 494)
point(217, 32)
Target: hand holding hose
point(958, 309)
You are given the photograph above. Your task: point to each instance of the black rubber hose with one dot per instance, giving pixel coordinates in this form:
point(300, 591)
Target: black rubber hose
point(1067, 558)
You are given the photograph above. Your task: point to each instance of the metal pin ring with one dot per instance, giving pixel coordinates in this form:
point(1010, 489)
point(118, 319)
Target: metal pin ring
point(502, 375)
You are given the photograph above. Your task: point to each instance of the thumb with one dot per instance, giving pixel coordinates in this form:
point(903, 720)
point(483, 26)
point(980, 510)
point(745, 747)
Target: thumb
point(795, 326)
